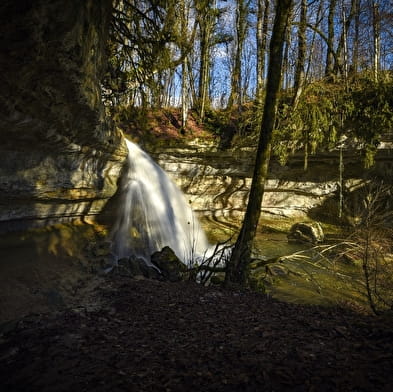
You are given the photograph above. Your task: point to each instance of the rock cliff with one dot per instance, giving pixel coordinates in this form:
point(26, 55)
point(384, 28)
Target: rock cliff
point(217, 183)
point(60, 158)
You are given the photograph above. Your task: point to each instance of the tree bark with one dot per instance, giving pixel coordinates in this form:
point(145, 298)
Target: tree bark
point(329, 55)
point(341, 60)
point(355, 44)
point(206, 25)
point(184, 67)
point(262, 28)
point(241, 30)
point(301, 56)
point(312, 44)
point(238, 265)
point(377, 39)
point(287, 45)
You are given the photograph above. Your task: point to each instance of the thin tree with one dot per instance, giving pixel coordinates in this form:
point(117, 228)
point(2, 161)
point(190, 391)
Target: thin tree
point(376, 38)
point(341, 64)
point(184, 11)
point(207, 14)
point(287, 74)
point(301, 54)
point(241, 31)
point(261, 39)
point(330, 39)
point(238, 265)
point(355, 43)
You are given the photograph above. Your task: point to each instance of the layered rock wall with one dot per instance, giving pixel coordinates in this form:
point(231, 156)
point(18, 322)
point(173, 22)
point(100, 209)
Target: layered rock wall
point(217, 183)
point(60, 158)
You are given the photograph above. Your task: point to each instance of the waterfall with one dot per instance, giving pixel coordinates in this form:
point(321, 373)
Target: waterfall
point(154, 213)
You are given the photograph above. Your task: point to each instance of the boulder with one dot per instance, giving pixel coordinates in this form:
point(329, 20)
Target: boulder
point(309, 232)
point(149, 271)
point(169, 264)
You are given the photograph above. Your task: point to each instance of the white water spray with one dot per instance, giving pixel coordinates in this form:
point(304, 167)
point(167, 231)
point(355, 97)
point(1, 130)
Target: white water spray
point(154, 214)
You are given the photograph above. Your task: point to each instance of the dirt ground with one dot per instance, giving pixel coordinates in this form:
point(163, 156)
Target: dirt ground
point(145, 335)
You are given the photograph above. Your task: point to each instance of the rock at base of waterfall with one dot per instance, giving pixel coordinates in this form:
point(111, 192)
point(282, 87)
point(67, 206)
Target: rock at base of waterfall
point(136, 268)
point(171, 267)
point(306, 232)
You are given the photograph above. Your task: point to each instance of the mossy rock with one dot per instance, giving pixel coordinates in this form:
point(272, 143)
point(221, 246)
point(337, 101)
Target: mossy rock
point(169, 264)
point(311, 232)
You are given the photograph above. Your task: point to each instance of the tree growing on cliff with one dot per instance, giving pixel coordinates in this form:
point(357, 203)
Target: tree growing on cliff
point(238, 265)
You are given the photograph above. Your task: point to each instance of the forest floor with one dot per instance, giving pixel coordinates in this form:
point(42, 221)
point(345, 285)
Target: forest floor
point(143, 335)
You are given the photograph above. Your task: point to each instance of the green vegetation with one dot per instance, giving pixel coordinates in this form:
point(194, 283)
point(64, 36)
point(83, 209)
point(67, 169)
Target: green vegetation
point(329, 114)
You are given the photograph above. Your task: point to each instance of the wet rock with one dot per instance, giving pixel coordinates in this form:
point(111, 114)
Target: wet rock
point(309, 232)
point(135, 265)
point(128, 266)
point(151, 272)
point(169, 264)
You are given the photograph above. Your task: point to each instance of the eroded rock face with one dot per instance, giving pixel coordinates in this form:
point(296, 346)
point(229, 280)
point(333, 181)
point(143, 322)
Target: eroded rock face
point(217, 183)
point(59, 156)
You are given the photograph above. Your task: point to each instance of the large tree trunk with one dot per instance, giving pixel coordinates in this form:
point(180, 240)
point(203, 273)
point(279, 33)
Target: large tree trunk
point(238, 265)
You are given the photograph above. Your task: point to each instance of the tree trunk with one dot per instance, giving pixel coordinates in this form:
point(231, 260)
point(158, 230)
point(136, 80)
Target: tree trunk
point(341, 58)
point(287, 41)
point(341, 183)
point(238, 265)
point(204, 72)
point(206, 26)
point(306, 148)
point(301, 55)
point(330, 43)
point(355, 44)
point(377, 40)
point(262, 28)
point(312, 44)
point(184, 68)
point(346, 25)
point(241, 29)
point(184, 95)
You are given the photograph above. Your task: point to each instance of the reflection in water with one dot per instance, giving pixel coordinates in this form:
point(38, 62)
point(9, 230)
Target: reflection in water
point(154, 213)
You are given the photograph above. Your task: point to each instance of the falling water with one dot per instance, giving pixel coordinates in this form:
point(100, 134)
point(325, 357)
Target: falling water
point(154, 213)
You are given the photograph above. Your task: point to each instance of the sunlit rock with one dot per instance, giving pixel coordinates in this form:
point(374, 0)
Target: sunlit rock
point(217, 183)
point(311, 232)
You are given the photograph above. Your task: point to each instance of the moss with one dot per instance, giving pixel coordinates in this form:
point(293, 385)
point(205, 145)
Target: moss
point(316, 282)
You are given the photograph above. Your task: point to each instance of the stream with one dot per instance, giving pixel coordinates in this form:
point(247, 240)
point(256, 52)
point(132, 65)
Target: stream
point(298, 273)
